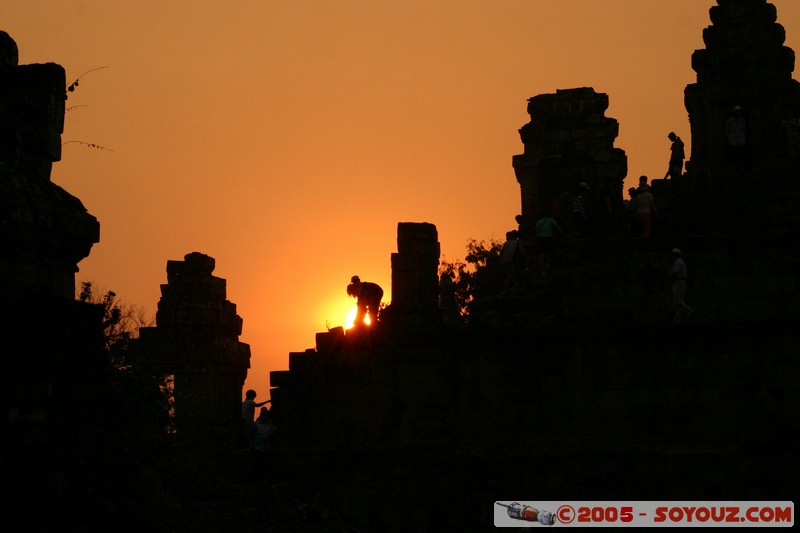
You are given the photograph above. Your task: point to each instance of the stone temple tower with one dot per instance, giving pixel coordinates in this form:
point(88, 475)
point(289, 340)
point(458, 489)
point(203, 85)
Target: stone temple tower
point(569, 140)
point(196, 341)
point(745, 65)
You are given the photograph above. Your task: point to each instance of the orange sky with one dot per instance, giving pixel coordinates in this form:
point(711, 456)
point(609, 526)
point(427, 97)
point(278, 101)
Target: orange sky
point(288, 138)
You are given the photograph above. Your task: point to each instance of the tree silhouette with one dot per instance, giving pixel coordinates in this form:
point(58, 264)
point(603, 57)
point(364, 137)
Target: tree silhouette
point(145, 400)
point(479, 276)
point(121, 322)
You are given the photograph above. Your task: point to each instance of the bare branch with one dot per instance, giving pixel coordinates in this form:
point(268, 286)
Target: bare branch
point(74, 84)
point(91, 145)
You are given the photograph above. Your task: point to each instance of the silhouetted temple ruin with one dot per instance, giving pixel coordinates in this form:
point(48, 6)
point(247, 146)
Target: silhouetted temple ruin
point(55, 370)
point(415, 281)
point(585, 369)
point(578, 384)
point(569, 140)
point(745, 64)
point(45, 231)
point(196, 341)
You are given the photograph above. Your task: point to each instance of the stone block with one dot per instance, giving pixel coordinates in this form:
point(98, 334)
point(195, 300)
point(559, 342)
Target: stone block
point(417, 238)
point(329, 340)
point(301, 361)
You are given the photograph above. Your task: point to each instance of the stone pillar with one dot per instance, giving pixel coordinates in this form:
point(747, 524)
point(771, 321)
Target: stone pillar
point(196, 341)
point(568, 140)
point(744, 64)
point(415, 267)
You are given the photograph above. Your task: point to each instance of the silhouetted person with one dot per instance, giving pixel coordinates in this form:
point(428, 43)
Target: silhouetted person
point(580, 215)
point(448, 304)
point(604, 209)
point(512, 259)
point(630, 213)
point(526, 233)
point(790, 135)
point(645, 207)
point(368, 297)
point(9, 53)
point(736, 136)
point(561, 210)
point(249, 405)
point(547, 230)
point(524, 227)
point(264, 429)
point(249, 412)
point(677, 155)
point(678, 276)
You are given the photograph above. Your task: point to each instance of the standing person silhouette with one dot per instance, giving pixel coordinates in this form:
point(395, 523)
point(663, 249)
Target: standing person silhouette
point(736, 133)
point(677, 155)
point(368, 299)
point(645, 207)
point(790, 134)
point(547, 230)
point(249, 406)
point(678, 276)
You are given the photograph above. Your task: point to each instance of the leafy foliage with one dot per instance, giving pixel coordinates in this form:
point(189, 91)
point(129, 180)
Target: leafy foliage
point(147, 401)
point(121, 322)
point(479, 276)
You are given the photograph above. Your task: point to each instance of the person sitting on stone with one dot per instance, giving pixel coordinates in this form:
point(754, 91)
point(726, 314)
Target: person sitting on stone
point(368, 297)
point(264, 430)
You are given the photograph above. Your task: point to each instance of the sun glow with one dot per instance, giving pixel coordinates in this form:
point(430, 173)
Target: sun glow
point(351, 318)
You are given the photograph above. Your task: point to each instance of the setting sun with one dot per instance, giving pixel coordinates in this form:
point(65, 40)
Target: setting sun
point(351, 317)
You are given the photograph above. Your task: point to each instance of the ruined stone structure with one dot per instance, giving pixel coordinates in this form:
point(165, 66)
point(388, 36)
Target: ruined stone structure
point(604, 397)
point(306, 385)
point(745, 64)
point(584, 385)
point(414, 275)
point(569, 140)
point(44, 231)
point(196, 341)
point(55, 371)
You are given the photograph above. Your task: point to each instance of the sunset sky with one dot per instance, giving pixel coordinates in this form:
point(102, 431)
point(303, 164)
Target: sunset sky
point(287, 139)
